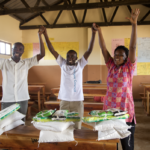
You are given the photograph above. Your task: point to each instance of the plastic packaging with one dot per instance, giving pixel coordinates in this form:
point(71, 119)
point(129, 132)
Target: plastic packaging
point(98, 119)
point(8, 111)
point(101, 113)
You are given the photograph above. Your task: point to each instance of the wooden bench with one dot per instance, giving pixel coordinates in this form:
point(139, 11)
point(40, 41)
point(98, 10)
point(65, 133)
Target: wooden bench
point(88, 106)
point(34, 95)
point(26, 138)
point(87, 91)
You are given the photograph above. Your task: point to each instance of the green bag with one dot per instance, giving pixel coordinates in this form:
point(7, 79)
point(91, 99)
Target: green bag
point(45, 113)
point(98, 119)
point(8, 111)
point(101, 113)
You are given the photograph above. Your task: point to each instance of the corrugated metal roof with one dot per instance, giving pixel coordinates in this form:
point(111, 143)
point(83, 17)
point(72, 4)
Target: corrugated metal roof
point(16, 4)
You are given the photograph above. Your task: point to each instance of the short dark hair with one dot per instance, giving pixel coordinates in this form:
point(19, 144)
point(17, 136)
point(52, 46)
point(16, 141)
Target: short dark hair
point(20, 44)
point(124, 49)
point(70, 51)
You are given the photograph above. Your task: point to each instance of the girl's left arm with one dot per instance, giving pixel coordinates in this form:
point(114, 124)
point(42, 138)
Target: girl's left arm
point(132, 47)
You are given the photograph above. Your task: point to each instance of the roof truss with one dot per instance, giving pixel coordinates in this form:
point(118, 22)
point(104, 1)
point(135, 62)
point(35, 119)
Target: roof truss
point(72, 5)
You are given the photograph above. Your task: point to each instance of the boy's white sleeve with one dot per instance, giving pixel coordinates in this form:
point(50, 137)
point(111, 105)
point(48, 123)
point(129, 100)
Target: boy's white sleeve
point(83, 62)
point(2, 60)
point(60, 60)
point(31, 61)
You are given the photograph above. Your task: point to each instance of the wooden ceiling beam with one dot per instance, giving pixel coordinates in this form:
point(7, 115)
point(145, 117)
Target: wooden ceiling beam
point(85, 11)
point(83, 25)
point(57, 17)
point(74, 14)
point(129, 8)
point(36, 15)
point(44, 19)
point(29, 19)
point(145, 16)
point(37, 3)
point(74, 6)
point(45, 3)
point(115, 11)
point(18, 17)
point(103, 10)
point(65, 2)
point(25, 4)
point(3, 3)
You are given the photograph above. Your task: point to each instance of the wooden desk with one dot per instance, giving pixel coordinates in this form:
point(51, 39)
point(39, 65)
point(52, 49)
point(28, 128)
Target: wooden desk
point(43, 89)
point(147, 88)
point(36, 89)
point(87, 91)
point(94, 84)
point(26, 138)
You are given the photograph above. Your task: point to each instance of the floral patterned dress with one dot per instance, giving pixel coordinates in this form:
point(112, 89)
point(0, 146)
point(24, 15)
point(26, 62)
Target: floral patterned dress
point(119, 88)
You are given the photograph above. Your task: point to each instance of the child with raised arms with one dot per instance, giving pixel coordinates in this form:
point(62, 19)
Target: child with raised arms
point(71, 87)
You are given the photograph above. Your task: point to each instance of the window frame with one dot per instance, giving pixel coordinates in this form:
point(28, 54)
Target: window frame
point(5, 48)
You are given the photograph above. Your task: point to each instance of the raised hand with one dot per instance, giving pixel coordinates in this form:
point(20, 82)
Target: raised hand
point(95, 26)
point(134, 16)
point(41, 30)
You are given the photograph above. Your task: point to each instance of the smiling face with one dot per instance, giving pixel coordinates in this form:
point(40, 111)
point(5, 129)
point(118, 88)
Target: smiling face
point(17, 50)
point(71, 58)
point(120, 57)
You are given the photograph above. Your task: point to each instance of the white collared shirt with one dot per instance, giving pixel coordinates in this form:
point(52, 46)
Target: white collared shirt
point(71, 88)
point(15, 78)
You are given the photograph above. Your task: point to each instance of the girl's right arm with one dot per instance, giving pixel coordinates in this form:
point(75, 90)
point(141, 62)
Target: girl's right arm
point(102, 43)
point(49, 45)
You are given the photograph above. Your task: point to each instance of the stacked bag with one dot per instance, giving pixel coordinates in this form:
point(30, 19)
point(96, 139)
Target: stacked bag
point(110, 123)
point(55, 126)
point(10, 118)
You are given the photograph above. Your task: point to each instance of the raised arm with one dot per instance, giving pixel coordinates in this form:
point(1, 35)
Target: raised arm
point(49, 44)
point(90, 48)
point(132, 47)
point(102, 43)
point(42, 49)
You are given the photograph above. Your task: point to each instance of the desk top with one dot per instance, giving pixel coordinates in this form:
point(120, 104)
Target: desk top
point(37, 83)
point(145, 83)
point(79, 135)
point(94, 84)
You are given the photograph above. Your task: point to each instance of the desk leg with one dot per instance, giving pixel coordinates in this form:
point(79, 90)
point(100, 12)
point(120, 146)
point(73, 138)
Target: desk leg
point(43, 100)
point(147, 102)
point(39, 102)
point(144, 96)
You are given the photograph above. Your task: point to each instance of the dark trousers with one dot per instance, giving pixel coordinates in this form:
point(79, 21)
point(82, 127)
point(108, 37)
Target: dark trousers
point(128, 142)
point(23, 106)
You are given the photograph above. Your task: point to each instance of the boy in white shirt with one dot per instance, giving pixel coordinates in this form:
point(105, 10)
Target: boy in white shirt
point(71, 88)
point(15, 76)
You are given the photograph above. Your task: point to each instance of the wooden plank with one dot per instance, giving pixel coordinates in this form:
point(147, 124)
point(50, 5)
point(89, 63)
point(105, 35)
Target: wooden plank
point(57, 17)
point(145, 16)
point(82, 25)
point(104, 14)
point(94, 84)
point(85, 11)
point(44, 19)
point(26, 138)
point(3, 3)
point(25, 3)
point(78, 6)
point(115, 11)
point(88, 106)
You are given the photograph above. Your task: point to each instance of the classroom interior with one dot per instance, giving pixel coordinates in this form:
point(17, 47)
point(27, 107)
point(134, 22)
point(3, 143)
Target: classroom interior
point(48, 71)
